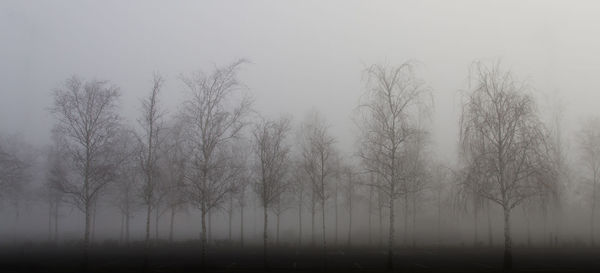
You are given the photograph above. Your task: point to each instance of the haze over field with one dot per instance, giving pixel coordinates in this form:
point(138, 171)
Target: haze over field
point(302, 82)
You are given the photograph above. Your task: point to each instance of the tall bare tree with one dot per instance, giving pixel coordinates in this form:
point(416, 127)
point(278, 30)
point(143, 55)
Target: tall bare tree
point(151, 125)
point(87, 122)
point(589, 143)
point(503, 143)
point(214, 115)
point(389, 117)
point(319, 157)
point(272, 159)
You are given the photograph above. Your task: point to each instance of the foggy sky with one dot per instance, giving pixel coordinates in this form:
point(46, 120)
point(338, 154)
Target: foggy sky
point(304, 54)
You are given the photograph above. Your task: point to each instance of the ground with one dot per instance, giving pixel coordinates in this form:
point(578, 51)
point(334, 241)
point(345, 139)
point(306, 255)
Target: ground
point(185, 257)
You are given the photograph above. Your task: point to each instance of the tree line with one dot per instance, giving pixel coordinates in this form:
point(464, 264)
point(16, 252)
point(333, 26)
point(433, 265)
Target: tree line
point(216, 152)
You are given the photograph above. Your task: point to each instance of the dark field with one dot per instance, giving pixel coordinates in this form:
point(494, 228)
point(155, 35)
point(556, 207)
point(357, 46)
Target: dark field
point(185, 257)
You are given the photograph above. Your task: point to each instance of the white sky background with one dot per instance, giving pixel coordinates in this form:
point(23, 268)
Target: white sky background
point(304, 54)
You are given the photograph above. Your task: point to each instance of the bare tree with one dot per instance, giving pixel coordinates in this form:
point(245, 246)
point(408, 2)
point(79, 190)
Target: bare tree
point(589, 143)
point(151, 127)
point(87, 123)
point(214, 115)
point(503, 144)
point(319, 157)
point(272, 159)
point(389, 118)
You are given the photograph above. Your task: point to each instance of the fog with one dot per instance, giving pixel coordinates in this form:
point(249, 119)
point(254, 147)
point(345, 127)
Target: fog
point(301, 59)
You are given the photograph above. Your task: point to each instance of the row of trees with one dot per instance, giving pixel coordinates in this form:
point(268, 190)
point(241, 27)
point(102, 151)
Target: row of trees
point(216, 149)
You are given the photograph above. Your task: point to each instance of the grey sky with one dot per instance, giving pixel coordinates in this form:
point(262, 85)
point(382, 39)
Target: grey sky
point(304, 54)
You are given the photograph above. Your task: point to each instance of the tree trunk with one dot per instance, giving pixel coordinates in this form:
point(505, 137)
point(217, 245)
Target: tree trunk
point(203, 236)
point(300, 220)
point(312, 224)
point(324, 235)
point(439, 218)
point(557, 225)
point(147, 245)
point(56, 211)
point(370, 214)
point(16, 225)
point(86, 190)
point(93, 227)
point(242, 226)
point(254, 219)
point(122, 228)
point(592, 239)
point(148, 214)
point(50, 211)
point(545, 221)
point(127, 217)
point(380, 220)
point(390, 260)
point(507, 241)
point(171, 224)
point(489, 220)
point(277, 232)
point(265, 240)
point(414, 221)
point(350, 221)
point(475, 224)
point(528, 230)
point(86, 236)
point(406, 217)
point(230, 214)
point(335, 203)
point(156, 220)
point(209, 227)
